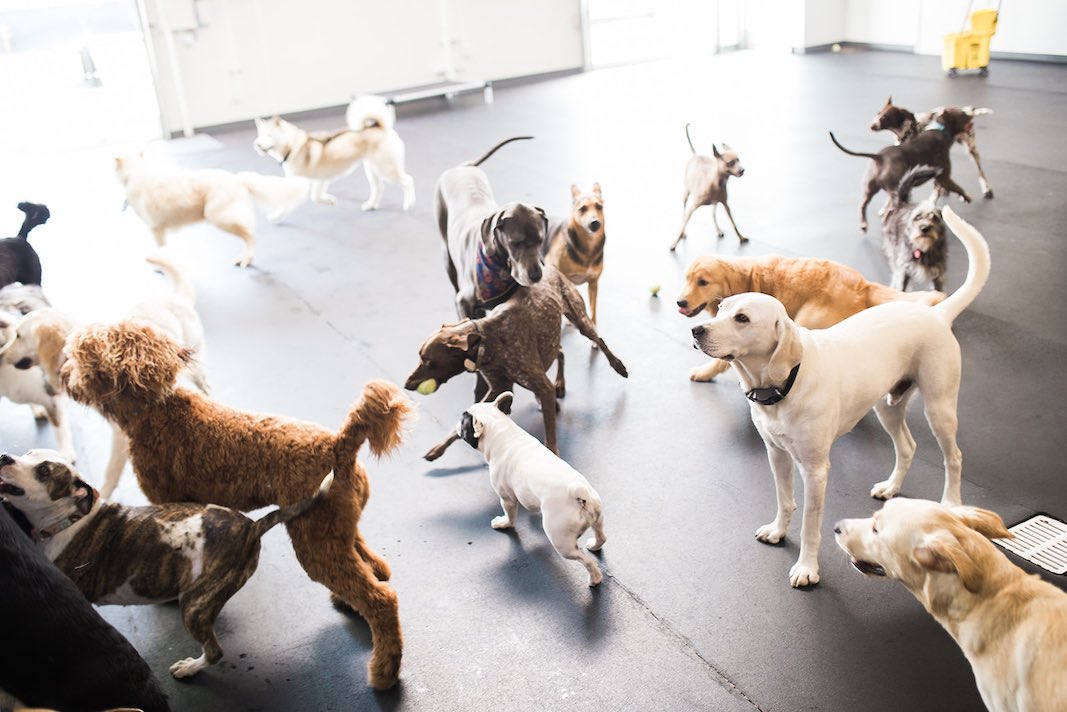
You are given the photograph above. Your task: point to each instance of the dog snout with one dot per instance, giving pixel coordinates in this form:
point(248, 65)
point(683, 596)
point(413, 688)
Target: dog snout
point(594, 226)
point(24, 363)
point(699, 331)
point(924, 229)
point(837, 527)
point(6, 460)
point(683, 303)
point(740, 172)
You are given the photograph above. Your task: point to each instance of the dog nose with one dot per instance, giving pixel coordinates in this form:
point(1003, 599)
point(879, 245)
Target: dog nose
point(837, 528)
point(698, 331)
point(6, 459)
point(924, 229)
point(740, 172)
point(595, 225)
point(683, 303)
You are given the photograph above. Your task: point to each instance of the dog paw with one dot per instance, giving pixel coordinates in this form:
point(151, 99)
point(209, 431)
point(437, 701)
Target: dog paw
point(700, 374)
point(863, 227)
point(595, 577)
point(804, 574)
point(770, 533)
point(592, 544)
point(408, 204)
point(988, 195)
point(742, 238)
point(500, 523)
point(561, 390)
point(368, 206)
point(243, 262)
point(885, 490)
point(188, 667)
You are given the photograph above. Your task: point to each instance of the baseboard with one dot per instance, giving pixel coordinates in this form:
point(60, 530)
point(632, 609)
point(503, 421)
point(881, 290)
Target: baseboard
point(909, 49)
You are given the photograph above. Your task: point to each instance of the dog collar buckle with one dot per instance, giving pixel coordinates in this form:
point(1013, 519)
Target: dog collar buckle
point(773, 394)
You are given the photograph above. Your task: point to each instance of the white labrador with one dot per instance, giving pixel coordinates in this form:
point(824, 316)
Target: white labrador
point(1011, 625)
point(810, 387)
point(523, 471)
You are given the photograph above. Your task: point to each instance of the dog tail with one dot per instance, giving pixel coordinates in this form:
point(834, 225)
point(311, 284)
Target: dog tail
point(972, 111)
point(913, 178)
point(283, 514)
point(379, 417)
point(275, 195)
point(977, 267)
point(872, 156)
point(929, 298)
point(370, 112)
point(496, 148)
point(36, 214)
point(181, 285)
point(689, 139)
point(586, 499)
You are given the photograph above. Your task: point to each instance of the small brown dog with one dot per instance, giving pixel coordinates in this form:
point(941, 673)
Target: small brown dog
point(816, 293)
point(905, 125)
point(575, 246)
point(188, 448)
point(516, 343)
point(705, 184)
point(1011, 625)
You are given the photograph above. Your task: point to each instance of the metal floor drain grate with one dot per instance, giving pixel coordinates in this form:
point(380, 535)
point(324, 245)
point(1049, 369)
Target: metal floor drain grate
point(1042, 540)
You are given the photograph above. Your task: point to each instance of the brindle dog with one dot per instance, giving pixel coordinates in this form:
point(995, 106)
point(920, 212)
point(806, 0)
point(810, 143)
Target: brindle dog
point(200, 555)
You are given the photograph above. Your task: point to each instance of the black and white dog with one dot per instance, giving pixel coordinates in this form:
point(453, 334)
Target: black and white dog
point(913, 235)
point(58, 652)
point(18, 260)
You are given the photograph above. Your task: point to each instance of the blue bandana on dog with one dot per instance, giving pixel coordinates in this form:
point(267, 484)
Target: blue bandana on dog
point(493, 276)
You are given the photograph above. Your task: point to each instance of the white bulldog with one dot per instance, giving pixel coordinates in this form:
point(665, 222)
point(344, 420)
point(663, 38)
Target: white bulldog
point(523, 471)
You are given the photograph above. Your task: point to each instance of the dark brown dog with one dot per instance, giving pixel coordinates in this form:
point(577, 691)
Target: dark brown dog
point(188, 448)
point(575, 246)
point(904, 125)
point(199, 555)
point(929, 148)
point(516, 343)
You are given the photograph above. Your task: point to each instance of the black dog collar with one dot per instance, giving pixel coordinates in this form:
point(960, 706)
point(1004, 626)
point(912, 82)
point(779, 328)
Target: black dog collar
point(773, 394)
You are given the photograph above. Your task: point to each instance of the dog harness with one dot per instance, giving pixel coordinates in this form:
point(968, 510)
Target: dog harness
point(936, 126)
point(65, 523)
point(773, 394)
point(494, 283)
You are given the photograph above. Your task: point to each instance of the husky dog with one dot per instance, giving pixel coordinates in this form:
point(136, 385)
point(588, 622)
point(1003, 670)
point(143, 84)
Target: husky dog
point(166, 197)
point(322, 157)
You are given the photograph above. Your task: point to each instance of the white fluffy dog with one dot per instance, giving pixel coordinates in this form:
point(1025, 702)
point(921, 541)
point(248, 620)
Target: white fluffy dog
point(810, 387)
point(1011, 625)
point(40, 338)
point(523, 471)
point(166, 197)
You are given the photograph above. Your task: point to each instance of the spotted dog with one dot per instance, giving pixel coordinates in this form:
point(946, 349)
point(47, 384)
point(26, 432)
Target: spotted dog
point(196, 554)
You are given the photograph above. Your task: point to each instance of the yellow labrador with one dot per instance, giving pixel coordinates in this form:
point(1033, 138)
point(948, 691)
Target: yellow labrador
point(808, 388)
point(1012, 626)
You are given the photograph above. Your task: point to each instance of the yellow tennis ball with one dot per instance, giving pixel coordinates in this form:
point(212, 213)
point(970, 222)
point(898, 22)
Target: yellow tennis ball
point(427, 387)
point(654, 289)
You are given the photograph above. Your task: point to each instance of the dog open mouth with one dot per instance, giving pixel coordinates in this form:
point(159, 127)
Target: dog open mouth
point(8, 488)
point(692, 312)
point(866, 567)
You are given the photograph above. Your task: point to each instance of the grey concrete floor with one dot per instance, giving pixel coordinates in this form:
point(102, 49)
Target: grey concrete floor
point(694, 613)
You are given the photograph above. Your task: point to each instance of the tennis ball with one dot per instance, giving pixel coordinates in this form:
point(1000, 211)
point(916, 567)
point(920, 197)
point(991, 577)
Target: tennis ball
point(654, 289)
point(427, 387)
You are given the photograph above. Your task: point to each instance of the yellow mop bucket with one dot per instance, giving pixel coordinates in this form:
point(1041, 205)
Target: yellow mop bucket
point(969, 49)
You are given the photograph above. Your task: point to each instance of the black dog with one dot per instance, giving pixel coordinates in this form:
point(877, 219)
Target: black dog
point(59, 653)
point(19, 261)
point(930, 148)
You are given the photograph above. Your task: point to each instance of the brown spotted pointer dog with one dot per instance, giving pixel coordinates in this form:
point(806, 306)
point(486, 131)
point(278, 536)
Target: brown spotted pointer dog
point(200, 555)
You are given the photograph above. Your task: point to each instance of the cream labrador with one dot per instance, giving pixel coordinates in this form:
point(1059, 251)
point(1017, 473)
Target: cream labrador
point(1012, 626)
point(808, 388)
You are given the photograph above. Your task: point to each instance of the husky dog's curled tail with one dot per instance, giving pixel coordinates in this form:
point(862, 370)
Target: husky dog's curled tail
point(369, 112)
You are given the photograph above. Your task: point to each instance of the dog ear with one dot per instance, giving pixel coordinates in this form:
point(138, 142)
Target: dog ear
point(503, 402)
point(83, 496)
point(787, 352)
point(715, 151)
point(544, 219)
point(464, 341)
point(951, 557)
point(889, 101)
point(575, 191)
point(596, 191)
point(988, 524)
point(489, 226)
point(726, 147)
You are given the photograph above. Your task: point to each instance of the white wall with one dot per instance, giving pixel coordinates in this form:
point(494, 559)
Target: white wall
point(885, 23)
point(259, 57)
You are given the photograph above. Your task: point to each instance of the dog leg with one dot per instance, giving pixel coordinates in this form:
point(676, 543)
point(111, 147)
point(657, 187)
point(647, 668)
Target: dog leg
point(201, 606)
point(892, 419)
point(408, 183)
point(730, 215)
point(715, 220)
point(782, 467)
point(375, 181)
point(593, 286)
point(707, 372)
point(546, 393)
point(692, 208)
point(331, 561)
point(565, 541)
point(379, 565)
point(242, 231)
point(972, 148)
point(320, 194)
point(561, 385)
point(116, 462)
point(868, 195)
point(599, 537)
point(439, 449)
point(57, 416)
point(805, 571)
point(900, 279)
point(950, 185)
point(941, 415)
point(507, 520)
point(160, 235)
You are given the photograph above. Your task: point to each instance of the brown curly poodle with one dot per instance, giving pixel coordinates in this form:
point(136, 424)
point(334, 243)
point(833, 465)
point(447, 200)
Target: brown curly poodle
point(188, 448)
